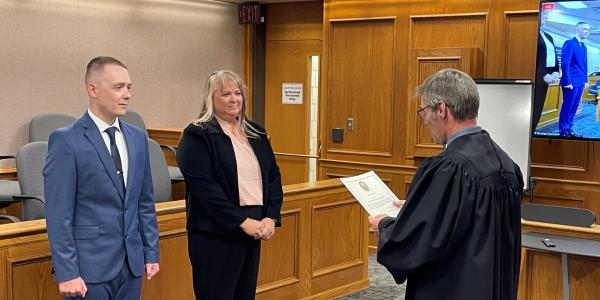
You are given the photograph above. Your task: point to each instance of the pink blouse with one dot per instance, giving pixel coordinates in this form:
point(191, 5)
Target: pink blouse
point(248, 169)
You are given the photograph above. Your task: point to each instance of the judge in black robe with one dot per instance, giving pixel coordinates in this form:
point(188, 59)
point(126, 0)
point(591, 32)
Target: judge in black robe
point(458, 234)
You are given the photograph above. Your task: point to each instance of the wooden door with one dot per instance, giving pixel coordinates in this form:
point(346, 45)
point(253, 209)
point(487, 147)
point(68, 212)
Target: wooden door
point(289, 62)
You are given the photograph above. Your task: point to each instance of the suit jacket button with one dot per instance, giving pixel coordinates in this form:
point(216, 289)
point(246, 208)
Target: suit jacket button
point(126, 236)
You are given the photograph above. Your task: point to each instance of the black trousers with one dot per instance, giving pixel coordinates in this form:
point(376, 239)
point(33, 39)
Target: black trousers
point(225, 266)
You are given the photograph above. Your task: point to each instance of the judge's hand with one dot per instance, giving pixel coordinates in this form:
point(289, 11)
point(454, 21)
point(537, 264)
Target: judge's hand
point(548, 79)
point(252, 228)
point(569, 87)
point(374, 222)
point(268, 228)
point(72, 288)
point(398, 203)
point(151, 270)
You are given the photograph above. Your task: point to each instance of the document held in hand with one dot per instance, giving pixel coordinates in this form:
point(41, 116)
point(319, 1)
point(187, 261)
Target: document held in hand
point(372, 194)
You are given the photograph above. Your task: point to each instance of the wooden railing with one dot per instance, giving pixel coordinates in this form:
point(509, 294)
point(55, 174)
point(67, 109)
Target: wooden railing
point(320, 252)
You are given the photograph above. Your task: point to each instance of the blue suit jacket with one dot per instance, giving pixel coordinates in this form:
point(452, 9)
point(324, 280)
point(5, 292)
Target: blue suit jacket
point(573, 63)
point(93, 224)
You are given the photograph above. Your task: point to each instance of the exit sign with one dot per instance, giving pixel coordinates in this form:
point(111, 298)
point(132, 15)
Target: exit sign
point(249, 13)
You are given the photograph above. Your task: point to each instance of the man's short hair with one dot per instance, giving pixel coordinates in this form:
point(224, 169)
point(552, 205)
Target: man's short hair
point(456, 89)
point(581, 23)
point(97, 65)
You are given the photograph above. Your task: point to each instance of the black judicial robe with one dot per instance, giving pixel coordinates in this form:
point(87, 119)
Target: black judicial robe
point(458, 235)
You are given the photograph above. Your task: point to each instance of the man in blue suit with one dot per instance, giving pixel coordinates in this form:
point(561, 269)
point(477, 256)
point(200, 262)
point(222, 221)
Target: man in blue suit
point(99, 198)
point(574, 78)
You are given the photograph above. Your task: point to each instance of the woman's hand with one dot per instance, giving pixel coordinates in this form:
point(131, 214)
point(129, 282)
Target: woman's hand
point(253, 228)
point(268, 228)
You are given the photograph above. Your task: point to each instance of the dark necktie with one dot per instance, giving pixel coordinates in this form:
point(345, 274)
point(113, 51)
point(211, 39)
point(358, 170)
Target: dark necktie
point(116, 156)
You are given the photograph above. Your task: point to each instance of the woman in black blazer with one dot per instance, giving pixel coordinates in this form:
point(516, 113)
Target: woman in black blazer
point(227, 214)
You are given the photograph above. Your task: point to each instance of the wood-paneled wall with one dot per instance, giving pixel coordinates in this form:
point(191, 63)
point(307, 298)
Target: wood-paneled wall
point(375, 52)
point(319, 252)
point(541, 273)
point(294, 33)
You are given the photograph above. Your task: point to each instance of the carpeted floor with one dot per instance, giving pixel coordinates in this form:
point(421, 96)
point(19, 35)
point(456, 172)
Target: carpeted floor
point(585, 123)
point(382, 285)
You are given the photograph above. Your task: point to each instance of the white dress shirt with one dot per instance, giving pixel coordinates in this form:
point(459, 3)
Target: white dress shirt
point(119, 140)
point(550, 51)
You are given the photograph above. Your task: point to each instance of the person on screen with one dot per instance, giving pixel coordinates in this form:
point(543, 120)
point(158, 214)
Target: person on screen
point(234, 192)
point(574, 79)
point(100, 210)
point(546, 69)
point(458, 234)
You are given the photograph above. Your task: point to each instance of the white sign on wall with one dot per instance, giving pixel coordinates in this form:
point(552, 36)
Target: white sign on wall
point(291, 93)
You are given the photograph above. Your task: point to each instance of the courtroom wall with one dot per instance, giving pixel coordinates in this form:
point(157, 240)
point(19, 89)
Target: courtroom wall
point(376, 52)
point(168, 46)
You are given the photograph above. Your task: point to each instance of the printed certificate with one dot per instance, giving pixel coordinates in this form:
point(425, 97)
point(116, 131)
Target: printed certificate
point(372, 194)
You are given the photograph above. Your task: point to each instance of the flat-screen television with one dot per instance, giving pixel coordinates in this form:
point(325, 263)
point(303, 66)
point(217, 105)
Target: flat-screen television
point(565, 103)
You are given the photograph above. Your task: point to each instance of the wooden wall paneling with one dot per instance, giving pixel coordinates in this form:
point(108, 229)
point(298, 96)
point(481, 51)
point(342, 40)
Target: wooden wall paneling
point(538, 278)
point(449, 31)
point(283, 253)
point(359, 49)
point(520, 26)
point(497, 46)
point(426, 7)
point(398, 182)
point(334, 259)
point(288, 125)
point(425, 62)
point(541, 274)
point(560, 159)
point(173, 258)
point(336, 219)
point(295, 21)
point(4, 275)
point(584, 276)
point(286, 270)
point(294, 33)
point(340, 11)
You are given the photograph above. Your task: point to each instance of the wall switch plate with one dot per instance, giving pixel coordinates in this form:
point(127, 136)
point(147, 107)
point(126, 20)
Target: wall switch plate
point(350, 123)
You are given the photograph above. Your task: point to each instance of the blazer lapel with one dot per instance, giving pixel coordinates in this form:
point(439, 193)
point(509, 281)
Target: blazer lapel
point(129, 138)
point(92, 133)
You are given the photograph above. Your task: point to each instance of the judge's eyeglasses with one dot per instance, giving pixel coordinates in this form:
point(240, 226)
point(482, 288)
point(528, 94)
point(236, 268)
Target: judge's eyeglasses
point(421, 110)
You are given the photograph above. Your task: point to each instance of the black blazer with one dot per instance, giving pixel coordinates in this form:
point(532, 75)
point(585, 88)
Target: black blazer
point(207, 161)
point(541, 68)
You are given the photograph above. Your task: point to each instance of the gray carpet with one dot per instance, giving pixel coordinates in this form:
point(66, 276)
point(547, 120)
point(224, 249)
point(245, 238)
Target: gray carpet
point(381, 285)
point(585, 123)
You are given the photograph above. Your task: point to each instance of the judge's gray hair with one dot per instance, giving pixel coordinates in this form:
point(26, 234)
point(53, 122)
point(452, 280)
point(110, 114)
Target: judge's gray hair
point(456, 89)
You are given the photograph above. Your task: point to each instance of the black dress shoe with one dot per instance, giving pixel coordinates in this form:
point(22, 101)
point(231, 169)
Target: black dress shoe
point(595, 102)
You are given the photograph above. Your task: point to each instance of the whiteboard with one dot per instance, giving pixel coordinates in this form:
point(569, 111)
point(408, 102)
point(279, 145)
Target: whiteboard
point(505, 112)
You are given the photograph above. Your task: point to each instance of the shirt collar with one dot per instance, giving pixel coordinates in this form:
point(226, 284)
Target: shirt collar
point(462, 132)
point(227, 127)
point(101, 124)
point(579, 40)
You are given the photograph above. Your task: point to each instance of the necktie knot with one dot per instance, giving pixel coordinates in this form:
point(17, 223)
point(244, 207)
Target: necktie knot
point(111, 133)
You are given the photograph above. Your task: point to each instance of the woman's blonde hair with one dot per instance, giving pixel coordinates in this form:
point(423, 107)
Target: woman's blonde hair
point(215, 82)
